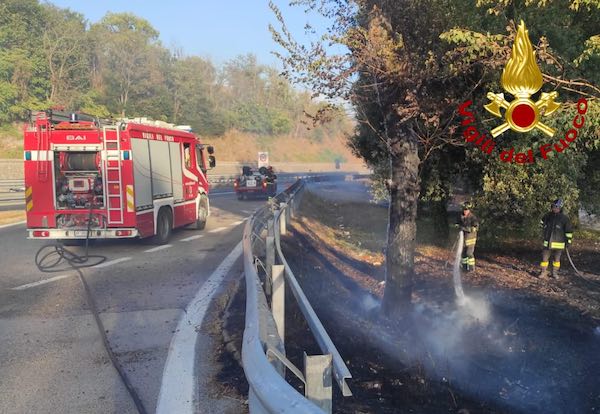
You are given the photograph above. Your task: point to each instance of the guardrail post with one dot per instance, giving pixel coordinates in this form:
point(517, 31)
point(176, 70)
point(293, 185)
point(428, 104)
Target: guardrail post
point(278, 299)
point(292, 204)
point(317, 372)
point(270, 257)
point(282, 219)
point(288, 211)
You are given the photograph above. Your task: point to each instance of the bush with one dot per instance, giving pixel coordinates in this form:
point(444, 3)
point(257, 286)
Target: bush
point(258, 119)
point(516, 197)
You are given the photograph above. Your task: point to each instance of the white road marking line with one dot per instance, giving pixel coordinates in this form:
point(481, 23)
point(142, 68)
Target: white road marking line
point(41, 282)
point(12, 224)
point(157, 248)
point(218, 229)
point(247, 211)
point(223, 193)
point(197, 236)
point(237, 223)
point(112, 262)
point(177, 389)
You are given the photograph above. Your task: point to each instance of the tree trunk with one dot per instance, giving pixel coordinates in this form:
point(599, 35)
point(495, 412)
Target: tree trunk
point(404, 196)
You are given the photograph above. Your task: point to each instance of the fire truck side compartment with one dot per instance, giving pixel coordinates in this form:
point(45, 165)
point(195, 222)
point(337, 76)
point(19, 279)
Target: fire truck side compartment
point(142, 173)
point(160, 161)
point(176, 172)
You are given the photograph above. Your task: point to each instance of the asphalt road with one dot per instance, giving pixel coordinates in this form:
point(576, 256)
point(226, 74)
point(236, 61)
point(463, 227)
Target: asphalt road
point(51, 355)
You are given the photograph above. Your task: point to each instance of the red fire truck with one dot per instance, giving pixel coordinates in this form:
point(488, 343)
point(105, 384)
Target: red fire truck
point(87, 178)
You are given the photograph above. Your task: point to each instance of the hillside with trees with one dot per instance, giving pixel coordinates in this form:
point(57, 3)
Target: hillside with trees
point(117, 67)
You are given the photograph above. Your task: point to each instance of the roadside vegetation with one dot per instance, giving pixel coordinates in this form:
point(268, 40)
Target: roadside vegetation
point(11, 141)
point(519, 344)
point(54, 58)
point(407, 66)
point(358, 231)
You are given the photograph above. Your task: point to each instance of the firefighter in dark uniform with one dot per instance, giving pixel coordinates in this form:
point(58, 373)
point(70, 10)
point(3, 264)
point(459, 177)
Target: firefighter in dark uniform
point(271, 178)
point(469, 224)
point(558, 234)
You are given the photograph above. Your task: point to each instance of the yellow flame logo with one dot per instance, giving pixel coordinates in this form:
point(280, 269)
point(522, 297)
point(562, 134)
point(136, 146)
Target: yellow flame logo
point(522, 78)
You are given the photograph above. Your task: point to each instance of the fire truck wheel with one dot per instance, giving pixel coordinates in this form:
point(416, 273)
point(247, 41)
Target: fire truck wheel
point(164, 227)
point(202, 214)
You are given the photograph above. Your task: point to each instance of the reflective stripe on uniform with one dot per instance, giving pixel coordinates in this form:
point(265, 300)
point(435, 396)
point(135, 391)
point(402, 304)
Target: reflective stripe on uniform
point(557, 245)
point(545, 243)
point(470, 242)
point(465, 260)
point(471, 261)
point(556, 264)
point(544, 264)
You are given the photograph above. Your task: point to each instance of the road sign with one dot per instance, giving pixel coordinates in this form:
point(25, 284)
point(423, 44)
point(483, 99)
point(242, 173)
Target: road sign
point(263, 159)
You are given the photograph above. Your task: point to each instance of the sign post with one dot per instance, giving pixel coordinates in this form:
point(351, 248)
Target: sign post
point(263, 159)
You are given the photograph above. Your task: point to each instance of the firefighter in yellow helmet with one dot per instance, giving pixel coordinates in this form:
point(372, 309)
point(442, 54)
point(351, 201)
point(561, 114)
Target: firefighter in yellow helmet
point(469, 224)
point(558, 235)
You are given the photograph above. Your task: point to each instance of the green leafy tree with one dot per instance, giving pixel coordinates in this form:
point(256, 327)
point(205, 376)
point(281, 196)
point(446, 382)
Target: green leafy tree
point(193, 87)
point(512, 194)
point(64, 44)
point(402, 96)
point(23, 73)
point(124, 45)
point(50, 57)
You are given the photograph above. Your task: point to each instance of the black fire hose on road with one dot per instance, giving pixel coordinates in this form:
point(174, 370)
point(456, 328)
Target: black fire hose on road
point(49, 262)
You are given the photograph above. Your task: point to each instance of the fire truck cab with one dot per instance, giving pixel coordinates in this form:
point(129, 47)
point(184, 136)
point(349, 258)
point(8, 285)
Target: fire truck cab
point(87, 178)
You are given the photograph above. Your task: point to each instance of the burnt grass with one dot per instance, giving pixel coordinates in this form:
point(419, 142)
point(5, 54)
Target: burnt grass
point(533, 350)
point(230, 378)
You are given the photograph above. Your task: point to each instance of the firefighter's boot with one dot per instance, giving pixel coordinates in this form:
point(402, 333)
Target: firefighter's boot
point(471, 264)
point(555, 269)
point(543, 273)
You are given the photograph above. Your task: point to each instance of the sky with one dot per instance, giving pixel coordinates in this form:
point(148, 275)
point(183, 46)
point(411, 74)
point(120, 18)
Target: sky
point(218, 29)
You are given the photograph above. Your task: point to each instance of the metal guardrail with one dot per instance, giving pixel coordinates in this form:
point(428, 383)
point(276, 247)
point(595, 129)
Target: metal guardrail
point(6, 185)
point(11, 191)
point(263, 351)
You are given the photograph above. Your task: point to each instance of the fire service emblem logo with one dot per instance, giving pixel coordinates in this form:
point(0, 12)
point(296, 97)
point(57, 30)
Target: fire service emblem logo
point(522, 78)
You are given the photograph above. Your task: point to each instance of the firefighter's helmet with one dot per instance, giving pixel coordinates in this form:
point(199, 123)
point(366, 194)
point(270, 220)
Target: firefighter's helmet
point(558, 203)
point(467, 205)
